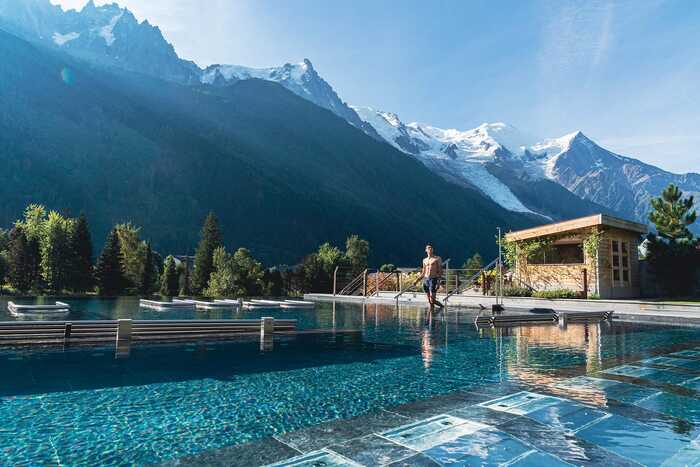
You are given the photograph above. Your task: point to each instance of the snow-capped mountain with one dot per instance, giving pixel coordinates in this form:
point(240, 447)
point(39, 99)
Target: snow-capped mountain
point(457, 156)
point(300, 78)
point(111, 35)
point(594, 173)
point(108, 35)
point(499, 160)
point(557, 178)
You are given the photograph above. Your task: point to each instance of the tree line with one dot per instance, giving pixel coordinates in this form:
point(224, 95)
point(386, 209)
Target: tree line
point(46, 252)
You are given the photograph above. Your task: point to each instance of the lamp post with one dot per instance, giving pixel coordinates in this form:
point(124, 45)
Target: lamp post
point(499, 271)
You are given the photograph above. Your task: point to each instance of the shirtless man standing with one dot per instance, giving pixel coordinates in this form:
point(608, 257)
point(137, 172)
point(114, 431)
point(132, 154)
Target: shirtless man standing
point(431, 273)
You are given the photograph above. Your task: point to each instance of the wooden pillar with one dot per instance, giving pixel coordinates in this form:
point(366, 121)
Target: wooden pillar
point(585, 283)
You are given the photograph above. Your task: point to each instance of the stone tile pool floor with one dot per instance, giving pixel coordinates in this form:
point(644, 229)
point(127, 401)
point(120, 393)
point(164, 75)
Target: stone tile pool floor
point(640, 413)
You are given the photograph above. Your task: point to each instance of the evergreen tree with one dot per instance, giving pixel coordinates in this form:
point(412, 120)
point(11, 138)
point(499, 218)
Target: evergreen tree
point(672, 214)
point(20, 271)
point(4, 244)
point(148, 275)
point(4, 240)
point(673, 254)
point(185, 281)
point(248, 273)
point(33, 225)
point(33, 263)
point(273, 283)
point(82, 278)
point(169, 281)
point(204, 256)
point(313, 276)
point(109, 271)
point(133, 251)
point(55, 251)
point(3, 269)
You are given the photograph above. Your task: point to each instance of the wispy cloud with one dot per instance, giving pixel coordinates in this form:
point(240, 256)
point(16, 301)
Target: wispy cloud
point(577, 35)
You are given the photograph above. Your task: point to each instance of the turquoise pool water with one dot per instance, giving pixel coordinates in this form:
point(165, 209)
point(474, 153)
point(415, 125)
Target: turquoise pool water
point(81, 406)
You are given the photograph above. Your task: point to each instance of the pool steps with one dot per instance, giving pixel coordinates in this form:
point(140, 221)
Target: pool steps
point(43, 332)
point(125, 331)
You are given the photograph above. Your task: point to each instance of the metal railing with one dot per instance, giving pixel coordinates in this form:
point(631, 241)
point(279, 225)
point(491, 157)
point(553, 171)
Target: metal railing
point(346, 281)
point(472, 278)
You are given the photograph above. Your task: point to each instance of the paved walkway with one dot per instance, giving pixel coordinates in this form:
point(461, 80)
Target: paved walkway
point(628, 310)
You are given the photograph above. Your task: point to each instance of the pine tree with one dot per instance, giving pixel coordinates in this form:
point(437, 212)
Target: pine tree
point(109, 271)
point(673, 254)
point(133, 251)
point(55, 251)
point(185, 281)
point(82, 278)
point(20, 273)
point(148, 275)
point(672, 214)
point(33, 262)
point(169, 281)
point(204, 256)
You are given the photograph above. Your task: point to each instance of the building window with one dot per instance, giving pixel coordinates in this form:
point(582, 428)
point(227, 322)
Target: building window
point(620, 263)
point(567, 253)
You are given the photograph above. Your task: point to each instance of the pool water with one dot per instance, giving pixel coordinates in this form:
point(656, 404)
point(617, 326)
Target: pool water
point(83, 406)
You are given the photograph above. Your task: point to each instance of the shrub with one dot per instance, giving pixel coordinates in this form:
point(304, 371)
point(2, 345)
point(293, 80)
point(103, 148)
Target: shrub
point(557, 293)
point(517, 292)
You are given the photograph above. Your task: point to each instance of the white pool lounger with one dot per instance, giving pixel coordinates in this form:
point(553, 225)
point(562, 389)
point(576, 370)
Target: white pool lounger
point(59, 309)
point(300, 303)
point(214, 305)
point(297, 304)
point(258, 304)
point(175, 304)
point(268, 303)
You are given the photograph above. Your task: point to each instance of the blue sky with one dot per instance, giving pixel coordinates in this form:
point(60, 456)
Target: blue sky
point(626, 73)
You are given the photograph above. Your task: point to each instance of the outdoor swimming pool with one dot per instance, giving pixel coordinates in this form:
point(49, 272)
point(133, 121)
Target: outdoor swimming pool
point(423, 390)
